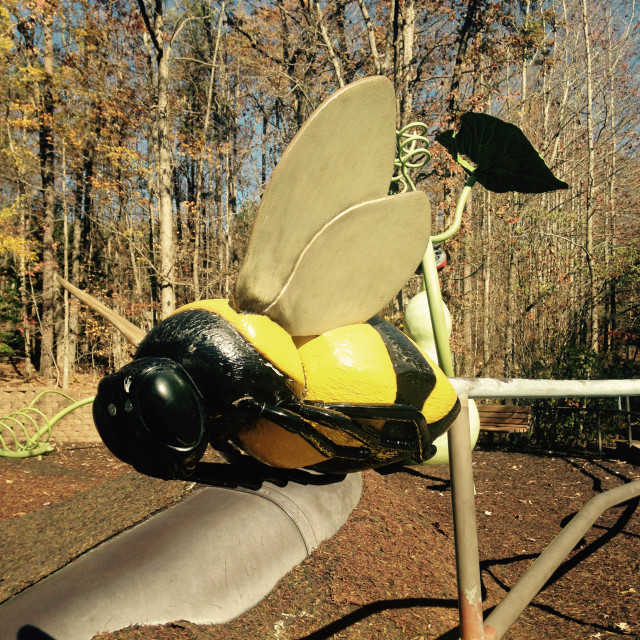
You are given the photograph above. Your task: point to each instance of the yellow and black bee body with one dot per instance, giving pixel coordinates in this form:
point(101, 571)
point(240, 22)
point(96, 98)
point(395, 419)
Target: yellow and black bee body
point(297, 371)
point(209, 375)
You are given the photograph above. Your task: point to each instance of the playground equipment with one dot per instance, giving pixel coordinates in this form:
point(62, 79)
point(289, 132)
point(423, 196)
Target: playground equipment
point(472, 625)
point(332, 438)
point(25, 433)
point(207, 559)
point(497, 170)
point(297, 370)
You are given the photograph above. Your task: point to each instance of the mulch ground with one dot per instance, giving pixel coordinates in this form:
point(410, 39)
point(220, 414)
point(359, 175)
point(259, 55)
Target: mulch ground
point(389, 573)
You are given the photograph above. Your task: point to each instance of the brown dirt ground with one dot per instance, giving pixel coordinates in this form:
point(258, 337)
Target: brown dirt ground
point(389, 573)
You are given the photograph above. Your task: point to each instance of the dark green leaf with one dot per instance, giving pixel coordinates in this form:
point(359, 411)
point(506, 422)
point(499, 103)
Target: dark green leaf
point(505, 159)
point(448, 140)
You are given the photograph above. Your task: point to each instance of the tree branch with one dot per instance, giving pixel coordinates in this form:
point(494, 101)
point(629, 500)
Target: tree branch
point(150, 29)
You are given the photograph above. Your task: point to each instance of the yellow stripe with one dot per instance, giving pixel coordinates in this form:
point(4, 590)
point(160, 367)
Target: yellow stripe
point(268, 338)
point(349, 365)
point(443, 396)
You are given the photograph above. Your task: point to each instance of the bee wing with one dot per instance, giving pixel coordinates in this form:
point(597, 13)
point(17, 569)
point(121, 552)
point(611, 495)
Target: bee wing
point(354, 265)
point(341, 157)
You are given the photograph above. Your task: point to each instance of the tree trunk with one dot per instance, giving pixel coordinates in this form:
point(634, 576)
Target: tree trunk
point(198, 208)
point(371, 36)
point(62, 332)
point(590, 190)
point(162, 158)
point(466, 32)
point(404, 26)
point(74, 303)
point(486, 297)
point(165, 185)
point(24, 297)
point(511, 304)
point(46, 136)
point(334, 57)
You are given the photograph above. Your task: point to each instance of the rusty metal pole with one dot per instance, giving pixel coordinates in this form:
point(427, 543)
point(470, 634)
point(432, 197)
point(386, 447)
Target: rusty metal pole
point(528, 586)
point(462, 489)
point(465, 528)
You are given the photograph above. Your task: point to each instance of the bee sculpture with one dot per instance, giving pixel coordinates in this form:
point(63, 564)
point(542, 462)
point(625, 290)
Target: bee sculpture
point(297, 370)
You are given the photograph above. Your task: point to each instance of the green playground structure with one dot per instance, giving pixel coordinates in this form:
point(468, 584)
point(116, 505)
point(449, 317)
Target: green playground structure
point(25, 433)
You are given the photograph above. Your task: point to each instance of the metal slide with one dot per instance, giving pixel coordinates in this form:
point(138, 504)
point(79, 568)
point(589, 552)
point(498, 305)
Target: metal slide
point(207, 559)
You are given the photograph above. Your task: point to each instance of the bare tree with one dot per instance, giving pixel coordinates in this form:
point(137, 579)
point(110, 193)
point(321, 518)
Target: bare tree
point(161, 142)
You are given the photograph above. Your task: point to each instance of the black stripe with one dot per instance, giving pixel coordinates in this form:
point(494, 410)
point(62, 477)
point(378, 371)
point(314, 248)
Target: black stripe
point(416, 379)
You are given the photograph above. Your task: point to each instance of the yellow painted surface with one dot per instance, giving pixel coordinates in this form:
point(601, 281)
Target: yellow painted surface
point(277, 447)
point(443, 396)
point(350, 365)
point(269, 338)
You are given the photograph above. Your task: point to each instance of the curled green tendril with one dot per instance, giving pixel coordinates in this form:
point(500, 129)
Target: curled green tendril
point(25, 433)
point(413, 153)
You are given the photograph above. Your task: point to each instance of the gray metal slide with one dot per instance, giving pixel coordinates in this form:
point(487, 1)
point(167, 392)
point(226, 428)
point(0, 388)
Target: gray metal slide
point(207, 559)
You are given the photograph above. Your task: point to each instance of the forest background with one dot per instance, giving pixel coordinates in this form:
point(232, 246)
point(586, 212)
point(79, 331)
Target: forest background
point(136, 138)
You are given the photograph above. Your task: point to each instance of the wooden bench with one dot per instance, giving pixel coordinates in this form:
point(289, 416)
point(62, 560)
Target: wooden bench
point(504, 418)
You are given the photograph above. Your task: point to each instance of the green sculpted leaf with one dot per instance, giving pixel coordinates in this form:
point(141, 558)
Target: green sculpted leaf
point(504, 158)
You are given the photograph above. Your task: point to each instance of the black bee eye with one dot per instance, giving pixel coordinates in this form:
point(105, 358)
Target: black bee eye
point(170, 408)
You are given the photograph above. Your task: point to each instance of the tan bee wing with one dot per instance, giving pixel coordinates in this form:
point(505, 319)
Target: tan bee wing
point(354, 265)
point(328, 248)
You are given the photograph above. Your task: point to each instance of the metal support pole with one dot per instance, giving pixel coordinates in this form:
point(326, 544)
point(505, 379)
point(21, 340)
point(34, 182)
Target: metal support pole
point(465, 529)
point(629, 431)
point(462, 489)
point(523, 388)
point(527, 587)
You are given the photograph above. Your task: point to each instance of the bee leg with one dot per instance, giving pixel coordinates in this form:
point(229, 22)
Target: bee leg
point(293, 422)
point(417, 443)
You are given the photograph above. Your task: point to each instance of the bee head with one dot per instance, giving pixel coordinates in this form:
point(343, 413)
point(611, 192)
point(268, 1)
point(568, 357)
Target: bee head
point(150, 415)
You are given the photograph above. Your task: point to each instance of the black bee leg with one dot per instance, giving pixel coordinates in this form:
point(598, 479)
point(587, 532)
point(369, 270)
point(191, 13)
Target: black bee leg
point(393, 435)
point(294, 423)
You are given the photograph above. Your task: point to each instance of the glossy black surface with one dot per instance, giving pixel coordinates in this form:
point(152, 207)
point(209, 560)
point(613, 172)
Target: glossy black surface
point(415, 377)
point(223, 365)
point(151, 415)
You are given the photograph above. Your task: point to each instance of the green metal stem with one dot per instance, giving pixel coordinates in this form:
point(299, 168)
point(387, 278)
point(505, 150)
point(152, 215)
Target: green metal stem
point(457, 218)
point(37, 444)
point(76, 405)
point(459, 442)
point(40, 450)
point(61, 414)
point(461, 468)
point(436, 308)
point(412, 153)
point(53, 391)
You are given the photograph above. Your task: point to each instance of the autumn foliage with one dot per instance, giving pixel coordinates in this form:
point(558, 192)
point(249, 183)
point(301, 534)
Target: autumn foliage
point(135, 141)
